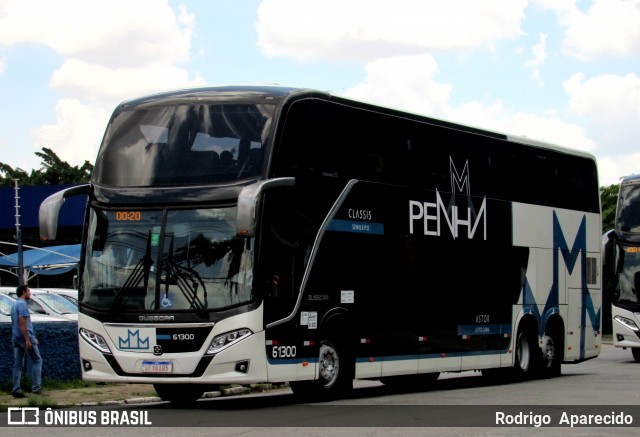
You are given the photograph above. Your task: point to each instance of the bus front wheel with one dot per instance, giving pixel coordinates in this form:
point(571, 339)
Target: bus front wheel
point(335, 373)
point(179, 393)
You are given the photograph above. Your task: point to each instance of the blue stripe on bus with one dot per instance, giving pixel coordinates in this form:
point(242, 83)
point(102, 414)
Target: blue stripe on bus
point(163, 337)
point(356, 226)
point(393, 357)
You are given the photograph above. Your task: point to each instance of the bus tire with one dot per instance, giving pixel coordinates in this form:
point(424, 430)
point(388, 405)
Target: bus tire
point(335, 374)
point(635, 351)
point(179, 393)
point(527, 354)
point(335, 369)
point(551, 354)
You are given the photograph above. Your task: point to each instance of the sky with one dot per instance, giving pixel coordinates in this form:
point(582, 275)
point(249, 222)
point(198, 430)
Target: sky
point(561, 71)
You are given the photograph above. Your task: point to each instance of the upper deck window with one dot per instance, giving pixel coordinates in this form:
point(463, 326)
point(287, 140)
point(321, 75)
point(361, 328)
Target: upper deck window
point(629, 208)
point(188, 144)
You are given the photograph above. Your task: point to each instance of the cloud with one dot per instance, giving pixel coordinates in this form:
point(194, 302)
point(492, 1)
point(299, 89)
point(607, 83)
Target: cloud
point(539, 51)
point(351, 29)
point(115, 33)
point(405, 82)
point(611, 106)
point(112, 85)
point(108, 47)
point(77, 133)
point(111, 50)
point(614, 167)
point(606, 28)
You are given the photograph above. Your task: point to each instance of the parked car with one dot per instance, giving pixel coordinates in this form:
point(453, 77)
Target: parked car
point(6, 302)
point(45, 302)
point(67, 293)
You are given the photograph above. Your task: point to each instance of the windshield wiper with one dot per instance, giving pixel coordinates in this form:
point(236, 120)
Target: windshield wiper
point(187, 280)
point(140, 272)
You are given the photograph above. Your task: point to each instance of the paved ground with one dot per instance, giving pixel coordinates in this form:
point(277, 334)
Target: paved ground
point(118, 393)
point(100, 394)
point(109, 394)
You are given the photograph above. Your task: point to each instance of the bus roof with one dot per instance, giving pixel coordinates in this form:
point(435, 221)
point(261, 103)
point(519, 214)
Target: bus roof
point(282, 93)
point(634, 178)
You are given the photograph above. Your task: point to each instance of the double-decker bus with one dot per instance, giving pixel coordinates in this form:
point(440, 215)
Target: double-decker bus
point(621, 267)
point(237, 235)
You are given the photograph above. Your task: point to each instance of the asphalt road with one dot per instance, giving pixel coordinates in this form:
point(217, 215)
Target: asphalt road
point(457, 404)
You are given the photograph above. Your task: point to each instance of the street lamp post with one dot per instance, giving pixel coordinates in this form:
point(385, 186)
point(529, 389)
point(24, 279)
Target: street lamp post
point(19, 236)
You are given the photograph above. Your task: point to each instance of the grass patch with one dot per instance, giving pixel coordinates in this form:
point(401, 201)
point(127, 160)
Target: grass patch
point(47, 384)
point(41, 402)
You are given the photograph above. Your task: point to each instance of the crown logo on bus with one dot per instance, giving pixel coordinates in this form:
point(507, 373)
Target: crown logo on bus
point(133, 341)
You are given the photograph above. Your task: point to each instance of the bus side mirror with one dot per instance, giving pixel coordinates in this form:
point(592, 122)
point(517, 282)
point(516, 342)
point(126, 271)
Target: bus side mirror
point(50, 210)
point(249, 202)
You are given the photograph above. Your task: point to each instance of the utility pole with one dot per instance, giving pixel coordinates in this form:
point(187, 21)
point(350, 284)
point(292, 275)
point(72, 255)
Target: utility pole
point(19, 236)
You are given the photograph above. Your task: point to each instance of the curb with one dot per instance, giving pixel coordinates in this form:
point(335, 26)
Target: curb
point(231, 391)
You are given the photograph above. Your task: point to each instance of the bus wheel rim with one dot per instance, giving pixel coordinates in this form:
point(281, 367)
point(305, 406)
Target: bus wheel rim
point(548, 350)
point(329, 365)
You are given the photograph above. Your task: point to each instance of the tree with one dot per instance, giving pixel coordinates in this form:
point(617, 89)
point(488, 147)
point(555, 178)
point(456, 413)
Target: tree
point(54, 171)
point(609, 202)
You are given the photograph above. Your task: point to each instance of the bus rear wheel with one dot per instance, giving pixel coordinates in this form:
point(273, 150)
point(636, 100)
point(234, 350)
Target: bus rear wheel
point(179, 393)
point(551, 355)
point(527, 355)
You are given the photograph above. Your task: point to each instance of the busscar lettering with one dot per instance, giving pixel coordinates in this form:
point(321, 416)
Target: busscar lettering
point(434, 214)
point(156, 318)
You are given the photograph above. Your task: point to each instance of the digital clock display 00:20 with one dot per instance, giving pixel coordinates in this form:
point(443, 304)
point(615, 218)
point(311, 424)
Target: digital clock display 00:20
point(128, 215)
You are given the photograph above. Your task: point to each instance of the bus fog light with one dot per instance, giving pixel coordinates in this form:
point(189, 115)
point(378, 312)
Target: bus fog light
point(626, 322)
point(242, 367)
point(225, 340)
point(95, 340)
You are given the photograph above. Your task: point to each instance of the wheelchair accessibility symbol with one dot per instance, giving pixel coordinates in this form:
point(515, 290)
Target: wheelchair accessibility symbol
point(167, 301)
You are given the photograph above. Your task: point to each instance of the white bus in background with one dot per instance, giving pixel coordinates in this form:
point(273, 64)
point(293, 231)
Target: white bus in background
point(268, 234)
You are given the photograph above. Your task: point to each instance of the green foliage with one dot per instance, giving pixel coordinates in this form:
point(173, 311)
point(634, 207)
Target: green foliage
point(609, 202)
point(54, 171)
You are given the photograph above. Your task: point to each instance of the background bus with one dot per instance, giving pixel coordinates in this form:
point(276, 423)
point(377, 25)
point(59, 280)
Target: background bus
point(621, 267)
point(252, 234)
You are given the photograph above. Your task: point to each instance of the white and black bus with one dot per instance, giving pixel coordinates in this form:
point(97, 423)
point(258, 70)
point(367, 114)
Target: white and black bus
point(270, 234)
point(621, 267)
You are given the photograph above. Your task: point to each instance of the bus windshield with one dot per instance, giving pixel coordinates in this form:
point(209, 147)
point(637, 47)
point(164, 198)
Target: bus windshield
point(628, 274)
point(166, 260)
point(187, 144)
point(629, 208)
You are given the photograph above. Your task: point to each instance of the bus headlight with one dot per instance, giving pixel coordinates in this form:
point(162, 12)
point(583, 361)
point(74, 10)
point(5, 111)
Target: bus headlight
point(95, 340)
point(626, 322)
point(225, 340)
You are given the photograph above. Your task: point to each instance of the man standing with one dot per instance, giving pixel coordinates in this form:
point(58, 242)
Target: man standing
point(24, 342)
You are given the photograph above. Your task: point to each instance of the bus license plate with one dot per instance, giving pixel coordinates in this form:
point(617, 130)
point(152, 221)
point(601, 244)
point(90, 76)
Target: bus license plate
point(157, 367)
